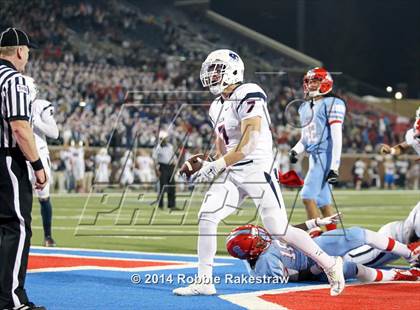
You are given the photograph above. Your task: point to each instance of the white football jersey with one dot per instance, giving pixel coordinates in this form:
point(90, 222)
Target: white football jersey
point(404, 231)
point(411, 140)
point(45, 111)
point(144, 162)
point(102, 162)
point(247, 100)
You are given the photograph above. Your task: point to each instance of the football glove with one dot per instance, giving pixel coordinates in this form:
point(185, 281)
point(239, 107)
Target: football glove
point(293, 156)
point(333, 219)
point(314, 223)
point(209, 171)
point(332, 177)
point(385, 149)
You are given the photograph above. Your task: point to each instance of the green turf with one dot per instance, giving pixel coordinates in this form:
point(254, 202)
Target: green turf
point(98, 221)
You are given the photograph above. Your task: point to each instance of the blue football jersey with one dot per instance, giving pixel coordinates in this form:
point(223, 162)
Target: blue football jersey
point(280, 260)
point(316, 118)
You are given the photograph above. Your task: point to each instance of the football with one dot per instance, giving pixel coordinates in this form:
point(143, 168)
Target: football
point(192, 165)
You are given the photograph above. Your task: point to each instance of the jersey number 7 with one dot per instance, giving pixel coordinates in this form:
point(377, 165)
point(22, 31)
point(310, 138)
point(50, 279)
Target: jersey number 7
point(222, 130)
point(251, 105)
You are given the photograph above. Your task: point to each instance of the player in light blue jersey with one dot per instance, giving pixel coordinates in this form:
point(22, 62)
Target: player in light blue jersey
point(321, 116)
point(271, 258)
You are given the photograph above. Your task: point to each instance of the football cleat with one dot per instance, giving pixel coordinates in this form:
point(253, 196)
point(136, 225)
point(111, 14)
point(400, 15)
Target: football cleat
point(195, 289)
point(29, 306)
point(49, 242)
point(414, 259)
point(406, 275)
point(336, 277)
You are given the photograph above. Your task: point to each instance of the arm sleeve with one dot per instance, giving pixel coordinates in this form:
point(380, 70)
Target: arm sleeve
point(409, 137)
point(46, 123)
point(18, 101)
point(337, 141)
point(336, 111)
point(252, 105)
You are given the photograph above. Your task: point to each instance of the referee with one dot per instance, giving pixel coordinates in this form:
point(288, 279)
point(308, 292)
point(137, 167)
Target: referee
point(17, 145)
point(165, 157)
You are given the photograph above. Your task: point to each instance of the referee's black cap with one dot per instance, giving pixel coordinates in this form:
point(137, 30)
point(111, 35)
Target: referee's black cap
point(15, 37)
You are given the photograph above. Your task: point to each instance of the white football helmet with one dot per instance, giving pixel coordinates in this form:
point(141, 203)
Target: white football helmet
point(221, 69)
point(418, 113)
point(33, 89)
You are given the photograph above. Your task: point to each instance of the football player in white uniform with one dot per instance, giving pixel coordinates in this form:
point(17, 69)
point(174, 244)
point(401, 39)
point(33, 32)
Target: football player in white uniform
point(44, 126)
point(244, 168)
point(126, 171)
point(412, 138)
point(102, 161)
point(144, 167)
point(406, 232)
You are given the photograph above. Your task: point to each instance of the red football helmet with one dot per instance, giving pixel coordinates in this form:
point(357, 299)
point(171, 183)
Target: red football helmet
point(321, 75)
point(248, 241)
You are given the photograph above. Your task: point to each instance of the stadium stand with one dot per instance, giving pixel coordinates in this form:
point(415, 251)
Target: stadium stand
point(91, 62)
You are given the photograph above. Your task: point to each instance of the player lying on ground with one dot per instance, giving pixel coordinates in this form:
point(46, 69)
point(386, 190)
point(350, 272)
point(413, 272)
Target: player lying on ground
point(406, 231)
point(244, 168)
point(412, 138)
point(267, 257)
point(321, 116)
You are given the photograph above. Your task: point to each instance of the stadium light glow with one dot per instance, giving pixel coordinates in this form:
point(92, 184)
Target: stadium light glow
point(398, 95)
point(389, 89)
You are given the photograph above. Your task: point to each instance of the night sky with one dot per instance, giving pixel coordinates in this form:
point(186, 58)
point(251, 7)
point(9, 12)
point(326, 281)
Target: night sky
point(375, 41)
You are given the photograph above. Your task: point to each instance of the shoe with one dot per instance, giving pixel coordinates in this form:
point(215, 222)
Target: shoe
point(406, 275)
point(49, 242)
point(195, 289)
point(174, 209)
point(29, 306)
point(414, 259)
point(336, 277)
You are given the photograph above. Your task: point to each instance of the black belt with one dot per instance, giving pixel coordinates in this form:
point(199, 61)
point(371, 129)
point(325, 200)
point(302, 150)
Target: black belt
point(243, 163)
point(14, 151)
point(162, 164)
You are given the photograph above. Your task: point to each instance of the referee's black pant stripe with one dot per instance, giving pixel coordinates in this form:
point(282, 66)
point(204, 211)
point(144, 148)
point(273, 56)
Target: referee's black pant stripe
point(22, 236)
point(18, 177)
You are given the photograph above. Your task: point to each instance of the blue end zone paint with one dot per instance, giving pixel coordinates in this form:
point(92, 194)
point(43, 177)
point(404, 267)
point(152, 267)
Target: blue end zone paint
point(101, 289)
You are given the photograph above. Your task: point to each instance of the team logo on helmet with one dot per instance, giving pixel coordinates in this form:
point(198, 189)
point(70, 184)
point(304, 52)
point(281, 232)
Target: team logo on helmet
point(233, 56)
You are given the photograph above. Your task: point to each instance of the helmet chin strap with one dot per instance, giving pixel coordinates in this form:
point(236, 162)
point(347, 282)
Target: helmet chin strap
point(216, 89)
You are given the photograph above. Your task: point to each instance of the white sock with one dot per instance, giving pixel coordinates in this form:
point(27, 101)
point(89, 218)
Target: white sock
point(367, 274)
point(383, 243)
point(299, 239)
point(207, 246)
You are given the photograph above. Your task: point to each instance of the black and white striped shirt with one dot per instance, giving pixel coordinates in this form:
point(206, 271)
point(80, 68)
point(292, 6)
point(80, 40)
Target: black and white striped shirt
point(15, 102)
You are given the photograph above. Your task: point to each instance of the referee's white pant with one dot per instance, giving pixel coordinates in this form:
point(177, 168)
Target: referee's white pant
point(15, 227)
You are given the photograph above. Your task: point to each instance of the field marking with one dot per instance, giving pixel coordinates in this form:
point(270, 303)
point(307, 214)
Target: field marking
point(124, 252)
point(176, 264)
point(108, 217)
point(252, 301)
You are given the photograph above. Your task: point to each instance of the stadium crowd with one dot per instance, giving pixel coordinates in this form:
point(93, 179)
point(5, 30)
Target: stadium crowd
point(122, 90)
